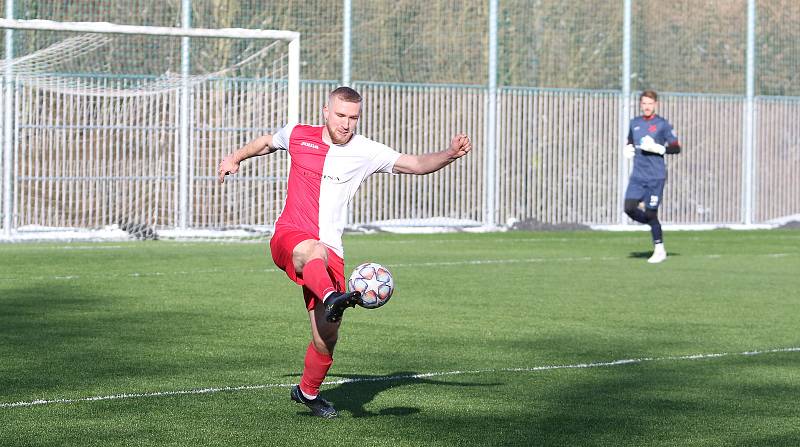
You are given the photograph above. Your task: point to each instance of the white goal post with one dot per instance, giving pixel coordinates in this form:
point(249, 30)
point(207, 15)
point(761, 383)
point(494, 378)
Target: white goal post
point(178, 84)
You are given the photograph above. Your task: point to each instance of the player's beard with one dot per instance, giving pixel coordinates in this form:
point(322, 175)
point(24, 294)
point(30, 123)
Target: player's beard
point(335, 136)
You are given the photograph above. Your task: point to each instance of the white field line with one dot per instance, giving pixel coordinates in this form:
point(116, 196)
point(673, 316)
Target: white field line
point(106, 276)
point(612, 363)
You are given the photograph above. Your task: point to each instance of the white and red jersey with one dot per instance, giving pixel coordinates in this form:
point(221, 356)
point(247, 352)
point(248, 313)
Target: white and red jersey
point(324, 178)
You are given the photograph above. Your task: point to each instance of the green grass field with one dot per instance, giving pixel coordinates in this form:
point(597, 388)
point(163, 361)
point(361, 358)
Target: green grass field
point(490, 339)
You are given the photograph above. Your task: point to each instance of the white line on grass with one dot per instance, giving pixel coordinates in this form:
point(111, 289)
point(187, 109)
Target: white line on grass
point(611, 363)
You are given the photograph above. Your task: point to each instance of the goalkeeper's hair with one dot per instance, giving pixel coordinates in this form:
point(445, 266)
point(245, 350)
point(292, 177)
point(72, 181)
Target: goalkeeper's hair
point(649, 94)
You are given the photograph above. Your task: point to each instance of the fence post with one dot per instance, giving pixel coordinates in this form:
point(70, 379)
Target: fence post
point(748, 167)
point(346, 39)
point(625, 112)
point(8, 115)
point(490, 157)
point(183, 163)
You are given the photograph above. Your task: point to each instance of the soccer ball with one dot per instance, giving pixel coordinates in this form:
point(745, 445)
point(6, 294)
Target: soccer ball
point(375, 283)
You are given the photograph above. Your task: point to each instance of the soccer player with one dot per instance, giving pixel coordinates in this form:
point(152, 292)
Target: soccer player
point(649, 138)
point(328, 164)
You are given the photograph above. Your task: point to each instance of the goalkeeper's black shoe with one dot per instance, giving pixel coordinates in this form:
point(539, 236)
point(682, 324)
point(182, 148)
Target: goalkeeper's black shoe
point(318, 406)
point(337, 302)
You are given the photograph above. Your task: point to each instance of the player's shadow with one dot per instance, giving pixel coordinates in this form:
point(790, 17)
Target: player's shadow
point(354, 395)
point(647, 254)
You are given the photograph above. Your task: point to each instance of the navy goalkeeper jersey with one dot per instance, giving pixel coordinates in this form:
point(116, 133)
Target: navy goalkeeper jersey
point(647, 165)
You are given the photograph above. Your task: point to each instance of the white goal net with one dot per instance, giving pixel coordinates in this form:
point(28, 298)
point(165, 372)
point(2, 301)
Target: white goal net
point(120, 128)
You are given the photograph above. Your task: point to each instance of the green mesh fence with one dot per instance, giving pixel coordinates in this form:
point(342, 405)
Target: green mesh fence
point(318, 21)
point(778, 48)
point(421, 42)
point(129, 12)
point(689, 46)
point(560, 44)
point(679, 46)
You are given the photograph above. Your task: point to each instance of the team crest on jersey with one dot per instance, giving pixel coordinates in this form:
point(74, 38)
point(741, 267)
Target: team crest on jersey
point(652, 128)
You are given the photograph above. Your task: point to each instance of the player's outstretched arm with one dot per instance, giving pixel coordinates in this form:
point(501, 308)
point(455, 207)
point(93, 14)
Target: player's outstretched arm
point(230, 164)
point(460, 146)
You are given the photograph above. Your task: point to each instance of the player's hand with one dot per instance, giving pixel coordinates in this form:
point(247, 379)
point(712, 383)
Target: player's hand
point(227, 166)
point(629, 151)
point(649, 145)
point(460, 146)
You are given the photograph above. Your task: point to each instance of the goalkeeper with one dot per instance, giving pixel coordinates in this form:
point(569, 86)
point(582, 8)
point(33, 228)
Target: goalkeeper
point(650, 137)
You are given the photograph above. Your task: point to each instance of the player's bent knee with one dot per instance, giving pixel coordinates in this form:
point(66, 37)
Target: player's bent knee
point(308, 250)
point(311, 249)
point(631, 206)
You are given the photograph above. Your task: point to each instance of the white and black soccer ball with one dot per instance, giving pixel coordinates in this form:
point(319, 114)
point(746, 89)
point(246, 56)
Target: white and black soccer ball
point(375, 283)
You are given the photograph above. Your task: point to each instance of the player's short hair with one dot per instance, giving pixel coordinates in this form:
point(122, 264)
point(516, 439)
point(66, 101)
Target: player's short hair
point(649, 94)
point(346, 94)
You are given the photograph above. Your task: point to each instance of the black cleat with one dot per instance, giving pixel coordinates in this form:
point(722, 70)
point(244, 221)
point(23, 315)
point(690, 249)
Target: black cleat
point(318, 406)
point(337, 302)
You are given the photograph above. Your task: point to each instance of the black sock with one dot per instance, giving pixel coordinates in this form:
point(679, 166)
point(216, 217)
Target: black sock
point(655, 226)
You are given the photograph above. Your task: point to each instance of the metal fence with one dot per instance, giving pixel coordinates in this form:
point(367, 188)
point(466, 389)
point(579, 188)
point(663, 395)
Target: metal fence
point(558, 159)
point(536, 84)
point(91, 162)
point(777, 161)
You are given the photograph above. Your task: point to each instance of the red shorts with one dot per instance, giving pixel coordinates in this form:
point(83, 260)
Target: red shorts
point(282, 244)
